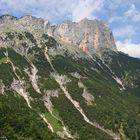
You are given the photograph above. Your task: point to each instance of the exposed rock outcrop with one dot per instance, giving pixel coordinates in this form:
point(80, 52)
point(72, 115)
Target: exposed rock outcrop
point(2, 87)
point(88, 35)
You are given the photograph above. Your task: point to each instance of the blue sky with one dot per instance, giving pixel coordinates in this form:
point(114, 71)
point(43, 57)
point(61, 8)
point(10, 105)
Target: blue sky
point(122, 16)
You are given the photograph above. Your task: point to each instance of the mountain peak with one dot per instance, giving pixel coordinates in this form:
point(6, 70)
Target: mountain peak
point(89, 35)
point(5, 18)
point(85, 20)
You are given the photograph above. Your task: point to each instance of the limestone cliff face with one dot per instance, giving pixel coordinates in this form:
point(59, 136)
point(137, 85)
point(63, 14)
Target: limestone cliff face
point(88, 35)
point(26, 23)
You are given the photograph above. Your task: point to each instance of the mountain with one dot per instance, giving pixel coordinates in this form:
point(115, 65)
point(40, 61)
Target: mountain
point(66, 81)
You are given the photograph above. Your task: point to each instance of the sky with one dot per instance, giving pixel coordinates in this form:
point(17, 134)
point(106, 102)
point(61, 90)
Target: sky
point(122, 16)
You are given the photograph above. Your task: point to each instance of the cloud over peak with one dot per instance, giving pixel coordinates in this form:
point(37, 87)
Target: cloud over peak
point(86, 9)
point(53, 10)
point(130, 48)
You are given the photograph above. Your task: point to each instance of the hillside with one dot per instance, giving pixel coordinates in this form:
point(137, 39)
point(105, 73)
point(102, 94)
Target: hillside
point(66, 82)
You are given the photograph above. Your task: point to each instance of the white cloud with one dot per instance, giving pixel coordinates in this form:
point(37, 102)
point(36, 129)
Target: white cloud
point(87, 8)
point(126, 31)
point(53, 10)
point(129, 48)
point(132, 14)
point(50, 9)
point(115, 4)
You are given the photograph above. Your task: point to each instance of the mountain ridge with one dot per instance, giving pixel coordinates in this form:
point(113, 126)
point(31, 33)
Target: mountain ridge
point(88, 35)
point(52, 89)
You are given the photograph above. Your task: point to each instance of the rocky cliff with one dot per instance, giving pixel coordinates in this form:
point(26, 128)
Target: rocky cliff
point(87, 34)
point(90, 36)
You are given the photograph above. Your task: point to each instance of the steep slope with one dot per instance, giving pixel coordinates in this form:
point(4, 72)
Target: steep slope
point(53, 89)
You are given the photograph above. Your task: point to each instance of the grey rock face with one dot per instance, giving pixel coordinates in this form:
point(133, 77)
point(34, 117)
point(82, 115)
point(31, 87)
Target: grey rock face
point(26, 23)
point(87, 34)
point(2, 87)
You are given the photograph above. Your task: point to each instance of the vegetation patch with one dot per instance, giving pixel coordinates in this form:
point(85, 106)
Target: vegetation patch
point(55, 123)
point(4, 60)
